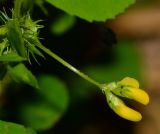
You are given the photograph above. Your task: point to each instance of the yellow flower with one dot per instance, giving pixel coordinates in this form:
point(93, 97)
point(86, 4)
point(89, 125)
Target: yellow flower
point(119, 107)
point(131, 90)
point(128, 88)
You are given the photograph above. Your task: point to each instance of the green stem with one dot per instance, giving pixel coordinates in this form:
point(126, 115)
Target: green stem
point(69, 66)
point(17, 8)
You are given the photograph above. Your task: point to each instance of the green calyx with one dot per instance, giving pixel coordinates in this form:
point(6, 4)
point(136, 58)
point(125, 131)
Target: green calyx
point(117, 89)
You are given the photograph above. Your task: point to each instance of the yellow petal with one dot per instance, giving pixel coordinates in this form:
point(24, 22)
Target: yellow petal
point(130, 82)
point(119, 107)
point(138, 95)
point(128, 113)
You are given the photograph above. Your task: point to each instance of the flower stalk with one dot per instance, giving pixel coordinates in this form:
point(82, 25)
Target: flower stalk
point(69, 66)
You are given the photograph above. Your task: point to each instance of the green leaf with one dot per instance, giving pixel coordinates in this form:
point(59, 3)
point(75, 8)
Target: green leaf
point(39, 116)
point(63, 24)
point(12, 128)
point(92, 10)
point(53, 102)
point(54, 91)
point(11, 57)
point(14, 36)
point(20, 73)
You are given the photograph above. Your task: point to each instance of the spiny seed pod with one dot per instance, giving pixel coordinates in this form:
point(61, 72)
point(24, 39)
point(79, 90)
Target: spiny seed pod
point(21, 34)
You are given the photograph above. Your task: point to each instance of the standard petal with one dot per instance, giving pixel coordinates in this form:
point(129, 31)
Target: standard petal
point(127, 81)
